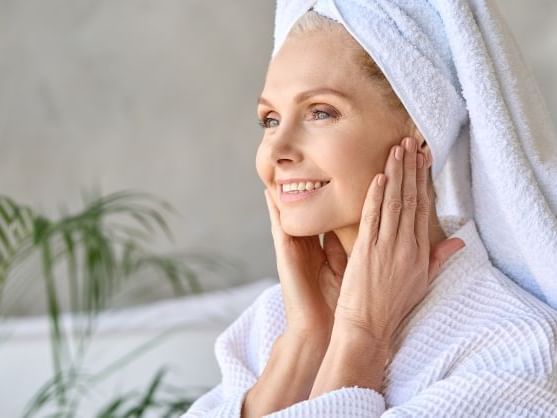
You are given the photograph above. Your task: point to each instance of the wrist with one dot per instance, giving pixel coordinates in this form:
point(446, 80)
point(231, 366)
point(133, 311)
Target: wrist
point(287, 377)
point(297, 342)
point(359, 335)
point(354, 339)
point(353, 358)
point(317, 337)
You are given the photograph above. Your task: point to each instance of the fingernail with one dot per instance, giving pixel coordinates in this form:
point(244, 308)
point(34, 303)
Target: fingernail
point(410, 143)
point(399, 153)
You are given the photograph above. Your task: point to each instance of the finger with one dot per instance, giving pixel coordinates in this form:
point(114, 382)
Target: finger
point(441, 253)
point(409, 191)
point(392, 204)
point(371, 214)
point(336, 256)
point(423, 204)
point(276, 229)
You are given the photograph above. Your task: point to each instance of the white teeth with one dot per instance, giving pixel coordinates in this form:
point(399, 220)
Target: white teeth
point(299, 187)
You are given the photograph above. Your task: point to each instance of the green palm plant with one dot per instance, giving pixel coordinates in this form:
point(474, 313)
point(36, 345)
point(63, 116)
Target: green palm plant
point(103, 247)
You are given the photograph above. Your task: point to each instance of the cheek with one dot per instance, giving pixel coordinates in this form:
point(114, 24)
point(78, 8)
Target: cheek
point(353, 159)
point(370, 153)
point(360, 160)
point(262, 166)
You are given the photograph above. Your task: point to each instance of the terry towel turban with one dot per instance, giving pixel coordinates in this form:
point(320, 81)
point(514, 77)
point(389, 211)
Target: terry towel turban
point(456, 68)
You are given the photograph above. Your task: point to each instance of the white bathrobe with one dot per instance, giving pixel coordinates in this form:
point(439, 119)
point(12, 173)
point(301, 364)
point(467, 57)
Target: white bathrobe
point(477, 345)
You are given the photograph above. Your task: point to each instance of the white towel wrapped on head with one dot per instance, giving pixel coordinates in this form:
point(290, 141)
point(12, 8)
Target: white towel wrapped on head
point(457, 69)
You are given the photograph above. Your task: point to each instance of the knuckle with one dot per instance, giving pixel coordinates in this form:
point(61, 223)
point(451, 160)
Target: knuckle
point(424, 205)
point(409, 247)
point(424, 197)
point(411, 162)
point(394, 205)
point(421, 179)
point(410, 201)
point(406, 258)
point(371, 218)
point(422, 216)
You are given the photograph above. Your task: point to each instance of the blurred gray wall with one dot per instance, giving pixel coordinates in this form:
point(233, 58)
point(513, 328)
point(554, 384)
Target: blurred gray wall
point(160, 97)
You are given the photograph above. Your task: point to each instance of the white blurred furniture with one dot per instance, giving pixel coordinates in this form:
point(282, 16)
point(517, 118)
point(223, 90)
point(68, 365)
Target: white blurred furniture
point(191, 323)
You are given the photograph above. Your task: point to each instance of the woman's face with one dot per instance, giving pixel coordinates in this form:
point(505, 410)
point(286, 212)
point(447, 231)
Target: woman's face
point(320, 135)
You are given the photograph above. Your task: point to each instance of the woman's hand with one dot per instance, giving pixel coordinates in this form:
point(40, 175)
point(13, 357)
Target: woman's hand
point(391, 265)
point(310, 277)
point(310, 282)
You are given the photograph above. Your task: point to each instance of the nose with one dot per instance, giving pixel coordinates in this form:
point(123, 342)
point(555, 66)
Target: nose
point(283, 155)
point(284, 146)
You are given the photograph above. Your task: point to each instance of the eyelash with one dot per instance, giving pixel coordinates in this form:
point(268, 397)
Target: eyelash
point(264, 126)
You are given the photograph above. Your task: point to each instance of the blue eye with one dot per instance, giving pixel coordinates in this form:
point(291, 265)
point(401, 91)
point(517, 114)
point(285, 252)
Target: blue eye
point(314, 112)
point(264, 122)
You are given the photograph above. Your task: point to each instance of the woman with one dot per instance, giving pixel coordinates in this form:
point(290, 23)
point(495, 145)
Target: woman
point(394, 315)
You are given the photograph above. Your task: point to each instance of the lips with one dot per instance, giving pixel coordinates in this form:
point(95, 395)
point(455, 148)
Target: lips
point(300, 180)
point(323, 182)
point(291, 197)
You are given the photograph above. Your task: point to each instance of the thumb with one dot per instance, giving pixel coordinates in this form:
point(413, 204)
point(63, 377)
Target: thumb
point(440, 253)
point(274, 216)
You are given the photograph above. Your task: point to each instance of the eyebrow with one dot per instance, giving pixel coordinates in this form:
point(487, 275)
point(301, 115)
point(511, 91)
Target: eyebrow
point(306, 94)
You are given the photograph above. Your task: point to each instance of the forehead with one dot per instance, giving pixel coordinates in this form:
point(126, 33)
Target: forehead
point(312, 59)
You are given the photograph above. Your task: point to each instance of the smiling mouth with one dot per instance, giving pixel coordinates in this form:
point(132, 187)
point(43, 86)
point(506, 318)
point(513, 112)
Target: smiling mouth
point(300, 195)
point(294, 192)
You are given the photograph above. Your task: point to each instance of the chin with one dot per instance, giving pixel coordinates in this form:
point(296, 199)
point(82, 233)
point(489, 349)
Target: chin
point(302, 229)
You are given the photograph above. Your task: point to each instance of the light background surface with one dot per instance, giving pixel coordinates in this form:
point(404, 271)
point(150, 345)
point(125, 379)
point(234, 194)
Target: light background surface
point(160, 97)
